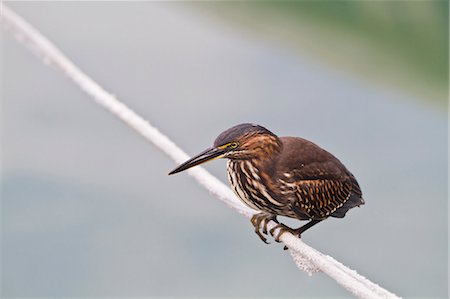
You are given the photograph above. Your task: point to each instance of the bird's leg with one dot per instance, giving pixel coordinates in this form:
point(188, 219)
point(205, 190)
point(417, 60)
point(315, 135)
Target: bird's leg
point(298, 232)
point(303, 228)
point(263, 218)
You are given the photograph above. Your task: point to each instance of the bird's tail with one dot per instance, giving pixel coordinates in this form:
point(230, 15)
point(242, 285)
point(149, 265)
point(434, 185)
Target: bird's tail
point(354, 201)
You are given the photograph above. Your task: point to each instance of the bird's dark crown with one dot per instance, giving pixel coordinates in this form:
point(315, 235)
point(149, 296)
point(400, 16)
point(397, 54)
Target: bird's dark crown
point(248, 141)
point(239, 132)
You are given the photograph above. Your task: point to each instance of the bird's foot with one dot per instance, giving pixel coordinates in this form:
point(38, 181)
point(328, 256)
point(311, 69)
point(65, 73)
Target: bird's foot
point(262, 219)
point(296, 232)
point(282, 228)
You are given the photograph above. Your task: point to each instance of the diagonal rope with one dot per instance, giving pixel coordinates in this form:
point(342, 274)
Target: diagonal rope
point(306, 257)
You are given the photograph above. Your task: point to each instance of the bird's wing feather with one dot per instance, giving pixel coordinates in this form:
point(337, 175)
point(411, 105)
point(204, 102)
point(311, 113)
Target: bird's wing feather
point(319, 182)
point(318, 199)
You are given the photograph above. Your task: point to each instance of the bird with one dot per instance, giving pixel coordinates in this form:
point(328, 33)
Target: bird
point(282, 176)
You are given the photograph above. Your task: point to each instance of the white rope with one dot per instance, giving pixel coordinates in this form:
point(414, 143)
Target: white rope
point(306, 257)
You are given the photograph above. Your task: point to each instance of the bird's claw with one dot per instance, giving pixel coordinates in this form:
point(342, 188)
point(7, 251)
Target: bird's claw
point(264, 239)
point(262, 218)
point(281, 230)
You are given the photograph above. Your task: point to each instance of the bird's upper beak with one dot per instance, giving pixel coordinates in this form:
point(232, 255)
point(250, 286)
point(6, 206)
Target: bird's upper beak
point(208, 155)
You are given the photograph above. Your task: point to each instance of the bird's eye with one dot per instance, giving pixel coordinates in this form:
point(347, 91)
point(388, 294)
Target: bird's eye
point(233, 145)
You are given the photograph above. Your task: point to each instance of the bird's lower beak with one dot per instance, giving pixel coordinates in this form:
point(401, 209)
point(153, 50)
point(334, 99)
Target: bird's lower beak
point(208, 155)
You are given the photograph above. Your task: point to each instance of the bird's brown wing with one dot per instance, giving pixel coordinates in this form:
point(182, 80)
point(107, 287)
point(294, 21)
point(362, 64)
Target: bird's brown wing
point(319, 183)
point(318, 199)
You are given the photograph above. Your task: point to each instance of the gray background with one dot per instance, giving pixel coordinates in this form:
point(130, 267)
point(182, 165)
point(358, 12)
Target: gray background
point(88, 208)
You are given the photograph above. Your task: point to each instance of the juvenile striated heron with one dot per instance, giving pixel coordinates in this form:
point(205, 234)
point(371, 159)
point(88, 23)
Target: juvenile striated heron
point(282, 176)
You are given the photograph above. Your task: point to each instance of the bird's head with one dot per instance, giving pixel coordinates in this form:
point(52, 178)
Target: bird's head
point(244, 141)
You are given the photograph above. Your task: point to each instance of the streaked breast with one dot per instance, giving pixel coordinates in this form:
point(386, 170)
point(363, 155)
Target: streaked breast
point(248, 185)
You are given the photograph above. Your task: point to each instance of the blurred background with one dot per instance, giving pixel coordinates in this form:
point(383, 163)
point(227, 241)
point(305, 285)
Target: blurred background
point(87, 206)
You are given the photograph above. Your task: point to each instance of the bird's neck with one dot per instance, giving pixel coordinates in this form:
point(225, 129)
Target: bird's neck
point(267, 148)
point(259, 169)
point(266, 164)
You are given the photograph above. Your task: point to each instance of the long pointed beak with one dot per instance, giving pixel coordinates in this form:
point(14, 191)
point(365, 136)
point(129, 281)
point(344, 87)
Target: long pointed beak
point(208, 155)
